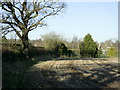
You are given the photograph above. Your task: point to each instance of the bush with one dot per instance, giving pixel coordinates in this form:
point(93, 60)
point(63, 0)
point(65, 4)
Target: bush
point(112, 52)
point(62, 50)
point(70, 53)
point(12, 52)
point(9, 54)
point(37, 51)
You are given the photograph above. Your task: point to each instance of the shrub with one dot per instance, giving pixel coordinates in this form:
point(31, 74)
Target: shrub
point(112, 52)
point(62, 50)
point(37, 51)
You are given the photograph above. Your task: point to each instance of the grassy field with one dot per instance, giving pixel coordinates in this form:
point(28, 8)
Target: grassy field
point(83, 73)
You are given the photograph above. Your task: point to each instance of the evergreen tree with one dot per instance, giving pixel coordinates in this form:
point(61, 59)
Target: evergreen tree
point(88, 48)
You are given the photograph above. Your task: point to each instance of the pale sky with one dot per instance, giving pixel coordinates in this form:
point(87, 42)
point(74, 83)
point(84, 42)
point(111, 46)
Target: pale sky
point(100, 19)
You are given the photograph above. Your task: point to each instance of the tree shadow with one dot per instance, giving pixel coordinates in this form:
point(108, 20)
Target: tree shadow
point(70, 58)
point(73, 76)
point(13, 72)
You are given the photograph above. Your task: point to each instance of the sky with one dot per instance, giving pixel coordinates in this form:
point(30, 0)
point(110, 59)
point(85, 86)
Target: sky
point(100, 19)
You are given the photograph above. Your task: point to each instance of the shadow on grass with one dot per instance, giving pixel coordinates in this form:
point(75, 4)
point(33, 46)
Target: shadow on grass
point(71, 58)
point(73, 77)
point(13, 72)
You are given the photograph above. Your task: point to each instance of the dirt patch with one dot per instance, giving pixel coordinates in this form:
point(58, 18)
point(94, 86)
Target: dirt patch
point(73, 74)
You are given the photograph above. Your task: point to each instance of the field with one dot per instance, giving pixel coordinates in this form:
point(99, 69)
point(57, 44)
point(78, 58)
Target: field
point(79, 73)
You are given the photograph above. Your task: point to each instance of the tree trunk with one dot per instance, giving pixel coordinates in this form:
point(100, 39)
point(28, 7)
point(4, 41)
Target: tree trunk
point(25, 45)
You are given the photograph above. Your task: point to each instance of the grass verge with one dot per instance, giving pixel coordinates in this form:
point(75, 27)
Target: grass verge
point(12, 73)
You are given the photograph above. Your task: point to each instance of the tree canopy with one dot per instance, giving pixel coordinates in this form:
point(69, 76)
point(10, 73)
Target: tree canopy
point(51, 40)
point(23, 17)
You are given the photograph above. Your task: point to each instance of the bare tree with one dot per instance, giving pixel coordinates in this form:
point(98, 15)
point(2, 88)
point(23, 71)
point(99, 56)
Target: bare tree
point(23, 17)
point(51, 40)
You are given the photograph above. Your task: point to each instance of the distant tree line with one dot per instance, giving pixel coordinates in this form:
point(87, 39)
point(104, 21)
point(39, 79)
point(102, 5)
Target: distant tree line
point(56, 45)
